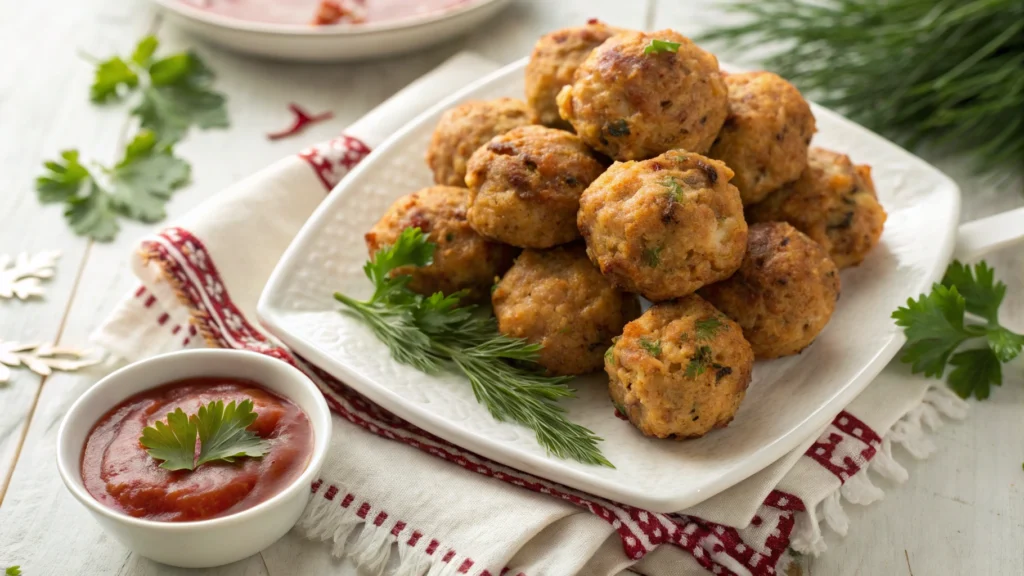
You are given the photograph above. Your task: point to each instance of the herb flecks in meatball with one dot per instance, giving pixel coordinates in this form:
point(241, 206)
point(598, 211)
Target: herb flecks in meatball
point(525, 186)
point(462, 258)
point(833, 202)
point(632, 102)
point(557, 298)
point(765, 138)
point(664, 227)
point(784, 293)
point(679, 370)
point(467, 127)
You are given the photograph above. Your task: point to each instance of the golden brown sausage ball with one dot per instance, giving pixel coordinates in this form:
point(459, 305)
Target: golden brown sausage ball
point(525, 186)
point(557, 298)
point(554, 59)
point(679, 370)
point(664, 227)
point(467, 127)
point(631, 105)
point(765, 137)
point(462, 259)
point(783, 294)
point(834, 203)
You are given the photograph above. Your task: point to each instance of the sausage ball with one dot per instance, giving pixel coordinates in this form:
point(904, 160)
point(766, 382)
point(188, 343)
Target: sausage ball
point(664, 227)
point(765, 137)
point(467, 127)
point(834, 203)
point(556, 298)
point(679, 370)
point(554, 59)
point(525, 186)
point(638, 95)
point(463, 260)
point(783, 294)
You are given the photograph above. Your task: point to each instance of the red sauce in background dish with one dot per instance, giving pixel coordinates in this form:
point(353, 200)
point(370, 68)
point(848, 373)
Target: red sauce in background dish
point(299, 12)
point(118, 472)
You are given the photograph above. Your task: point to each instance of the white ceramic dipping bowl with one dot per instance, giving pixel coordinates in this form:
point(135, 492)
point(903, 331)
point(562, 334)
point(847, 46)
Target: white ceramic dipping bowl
point(204, 543)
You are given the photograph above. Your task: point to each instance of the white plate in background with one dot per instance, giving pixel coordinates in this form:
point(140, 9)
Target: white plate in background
point(788, 400)
point(329, 43)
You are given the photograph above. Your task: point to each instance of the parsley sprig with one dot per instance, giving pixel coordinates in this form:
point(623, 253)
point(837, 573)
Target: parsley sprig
point(174, 94)
point(435, 332)
point(175, 91)
point(96, 196)
point(13, 571)
point(937, 326)
point(222, 431)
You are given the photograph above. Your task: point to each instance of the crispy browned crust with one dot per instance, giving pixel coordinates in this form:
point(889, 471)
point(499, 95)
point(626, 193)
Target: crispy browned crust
point(784, 293)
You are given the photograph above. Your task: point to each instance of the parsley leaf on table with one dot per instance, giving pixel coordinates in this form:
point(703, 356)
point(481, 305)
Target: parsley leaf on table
point(180, 97)
point(110, 76)
point(174, 94)
point(973, 371)
point(138, 187)
point(144, 180)
point(431, 333)
point(176, 91)
point(936, 327)
point(982, 293)
point(222, 432)
point(13, 571)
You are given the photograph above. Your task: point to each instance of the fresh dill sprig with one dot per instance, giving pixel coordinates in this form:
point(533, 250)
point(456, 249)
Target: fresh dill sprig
point(430, 333)
point(946, 72)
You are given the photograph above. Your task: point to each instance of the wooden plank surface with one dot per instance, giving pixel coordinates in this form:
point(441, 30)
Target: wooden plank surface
point(41, 526)
point(960, 512)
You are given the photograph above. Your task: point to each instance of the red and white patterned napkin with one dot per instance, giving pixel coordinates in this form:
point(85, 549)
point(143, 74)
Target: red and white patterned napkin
point(399, 500)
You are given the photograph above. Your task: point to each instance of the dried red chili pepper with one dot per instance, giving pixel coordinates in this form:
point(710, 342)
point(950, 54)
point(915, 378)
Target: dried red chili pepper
point(302, 119)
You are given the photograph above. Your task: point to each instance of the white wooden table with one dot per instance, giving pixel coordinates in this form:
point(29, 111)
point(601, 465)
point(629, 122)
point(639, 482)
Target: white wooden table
point(961, 511)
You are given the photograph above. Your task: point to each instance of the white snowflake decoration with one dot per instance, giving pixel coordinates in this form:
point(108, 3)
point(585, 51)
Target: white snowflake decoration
point(20, 277)
point(42, 359)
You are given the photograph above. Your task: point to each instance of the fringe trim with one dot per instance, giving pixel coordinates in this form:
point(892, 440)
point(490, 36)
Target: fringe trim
point(198, 318)
point(371, 547)
point(909, 432)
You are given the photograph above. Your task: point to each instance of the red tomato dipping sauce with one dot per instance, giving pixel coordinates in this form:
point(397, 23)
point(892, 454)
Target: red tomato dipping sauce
point(118, 472)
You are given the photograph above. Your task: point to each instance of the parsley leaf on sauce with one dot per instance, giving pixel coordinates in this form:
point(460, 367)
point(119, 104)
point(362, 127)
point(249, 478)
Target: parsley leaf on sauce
point(222, 431)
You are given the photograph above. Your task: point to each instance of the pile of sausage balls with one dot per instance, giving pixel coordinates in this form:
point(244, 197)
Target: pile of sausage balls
point(636, 167)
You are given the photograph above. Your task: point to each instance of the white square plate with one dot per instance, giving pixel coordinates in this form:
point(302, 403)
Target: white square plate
point(788, 400)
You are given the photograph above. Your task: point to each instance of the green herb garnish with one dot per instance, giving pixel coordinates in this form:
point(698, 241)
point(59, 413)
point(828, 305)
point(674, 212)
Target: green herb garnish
point(609, 355)
point(618, 128)
point(675, 189)
point(935, 327)
point(658, 46)
point(652, 256)
point(174, 94)
point(13, 571)
point(652, 348)
point(620, 409)
point(175, 91)
point(95, 197)
point(435, 332)
point(222, 432)
point(707, 328)
point(699, 363)
point(956, 80)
